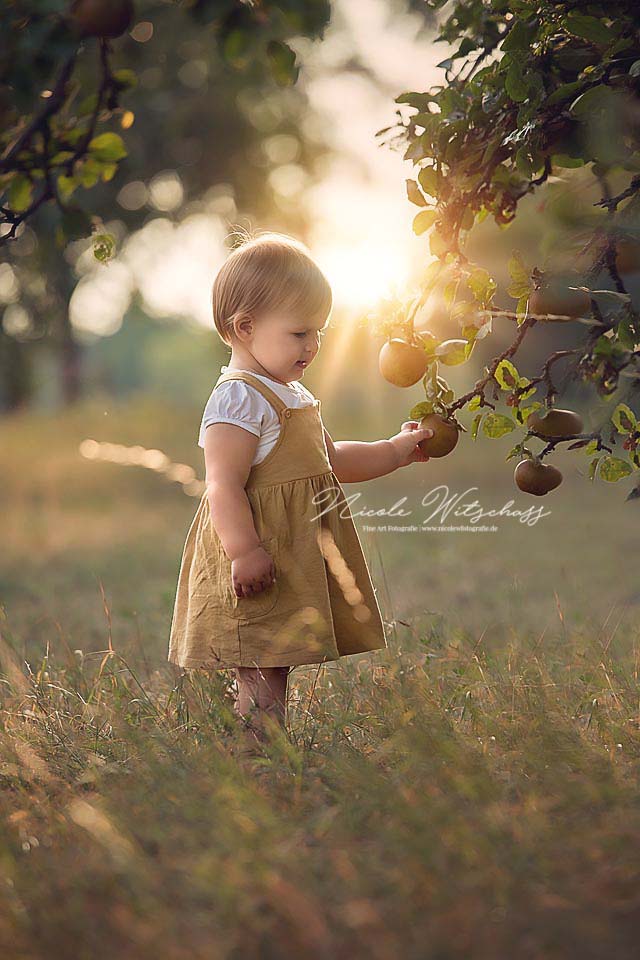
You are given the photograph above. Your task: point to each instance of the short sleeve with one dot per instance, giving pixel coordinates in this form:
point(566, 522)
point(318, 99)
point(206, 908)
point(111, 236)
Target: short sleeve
point(234, 402)
point(308, 396)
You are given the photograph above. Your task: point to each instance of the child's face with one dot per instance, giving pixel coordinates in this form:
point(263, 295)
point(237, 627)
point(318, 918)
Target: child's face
point(284, 345)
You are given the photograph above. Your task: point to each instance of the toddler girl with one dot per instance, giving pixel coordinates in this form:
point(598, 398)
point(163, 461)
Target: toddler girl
point(265, 581)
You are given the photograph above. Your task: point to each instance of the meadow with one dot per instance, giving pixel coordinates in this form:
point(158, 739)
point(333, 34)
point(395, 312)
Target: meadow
point(471, 792)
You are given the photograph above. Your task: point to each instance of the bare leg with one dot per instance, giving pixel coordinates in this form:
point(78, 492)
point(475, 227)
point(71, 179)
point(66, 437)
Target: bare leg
point(262, 691)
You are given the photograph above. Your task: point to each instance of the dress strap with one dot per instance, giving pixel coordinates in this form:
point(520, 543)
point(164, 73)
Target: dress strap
point(261, 387)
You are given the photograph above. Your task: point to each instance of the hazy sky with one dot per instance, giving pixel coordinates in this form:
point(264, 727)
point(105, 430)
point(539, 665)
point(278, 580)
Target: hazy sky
point(363, 222)
point(362, 234)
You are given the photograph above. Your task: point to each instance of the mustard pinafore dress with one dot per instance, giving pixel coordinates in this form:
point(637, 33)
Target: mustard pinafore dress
point(322, 605)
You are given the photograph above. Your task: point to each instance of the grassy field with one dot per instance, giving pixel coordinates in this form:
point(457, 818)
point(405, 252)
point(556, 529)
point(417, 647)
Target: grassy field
point(472, 792)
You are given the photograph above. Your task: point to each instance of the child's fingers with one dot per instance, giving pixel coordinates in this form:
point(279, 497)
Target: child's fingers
point(418, 432)
point(425, 432)
point(251, 589)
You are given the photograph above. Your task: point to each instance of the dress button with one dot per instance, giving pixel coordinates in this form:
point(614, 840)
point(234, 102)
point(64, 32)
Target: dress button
point(287, 413)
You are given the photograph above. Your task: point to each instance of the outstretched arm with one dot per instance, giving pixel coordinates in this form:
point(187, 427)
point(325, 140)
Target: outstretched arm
point(353, 460)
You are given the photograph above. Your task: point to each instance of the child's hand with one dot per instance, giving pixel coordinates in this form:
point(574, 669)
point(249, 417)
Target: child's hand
point(406, 443)
point(252, 573)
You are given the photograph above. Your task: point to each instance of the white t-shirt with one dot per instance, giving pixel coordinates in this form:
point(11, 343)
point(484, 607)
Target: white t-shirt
point(234, 401)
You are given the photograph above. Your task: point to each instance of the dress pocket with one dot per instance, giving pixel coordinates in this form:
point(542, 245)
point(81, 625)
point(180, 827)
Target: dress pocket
point(251, 608)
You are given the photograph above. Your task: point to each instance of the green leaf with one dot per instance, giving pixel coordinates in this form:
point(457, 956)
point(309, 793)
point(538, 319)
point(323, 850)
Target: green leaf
point(108, 147)
point(236, 47)
point(108, 171)
point(453, 352)
point(527, 393)
point(430, 275)
point(90, 171)
point(75, 224)
point(496, 425)
point(599, 97)
point(589, 28)
point(449, 295)
point(126, 79)
point(521, 309)
point(564, 160)
point(419, 149)
point(604, 347)
point(425, 119)
point(613, 468)
point(418, 100)
point(526, 412)
point(518, 270)
point(438, 246)
point(628, 334)
point(465, 48)
point(66, 186)
point(624, 419)
point(482, 285)
point(564, 91)
point(414, 194)
point(421, 410)
point(514, 452)
point(474, 403)
point(73, 136)
point(476, 328)
point(423, 220)
point(519, 37)
point(428, 179)
point(476, 423)
point(60, 157)
point(593, 467)
point(87, 105)
point(20, 193)
point(515, 83)
point(282, 61)
point(507, 375)
point(525, 163)
point(518, 290)
point(464, 310)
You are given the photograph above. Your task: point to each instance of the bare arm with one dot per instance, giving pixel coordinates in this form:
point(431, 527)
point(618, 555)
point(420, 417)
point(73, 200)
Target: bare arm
point(228, 455)
point(353, 461)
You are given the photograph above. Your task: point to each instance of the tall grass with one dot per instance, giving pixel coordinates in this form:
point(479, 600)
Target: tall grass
point(435, 800)
point(472, 792)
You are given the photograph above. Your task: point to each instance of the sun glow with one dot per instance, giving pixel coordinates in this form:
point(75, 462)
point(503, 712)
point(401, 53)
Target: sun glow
point(362, 273)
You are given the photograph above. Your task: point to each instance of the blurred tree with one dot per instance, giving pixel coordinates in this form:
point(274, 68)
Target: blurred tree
point(189, 91)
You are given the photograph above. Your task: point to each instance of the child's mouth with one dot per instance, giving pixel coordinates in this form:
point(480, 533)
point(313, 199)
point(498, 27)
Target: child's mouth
point(302, 363)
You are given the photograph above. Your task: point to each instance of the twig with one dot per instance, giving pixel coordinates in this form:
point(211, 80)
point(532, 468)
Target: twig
point(481, 384)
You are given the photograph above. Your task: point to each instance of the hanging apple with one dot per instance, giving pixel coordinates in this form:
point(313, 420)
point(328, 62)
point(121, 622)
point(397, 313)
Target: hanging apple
point(102, 18)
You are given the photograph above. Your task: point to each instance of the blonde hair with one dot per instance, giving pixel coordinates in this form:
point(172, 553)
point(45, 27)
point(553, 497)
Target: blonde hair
point(267, 272)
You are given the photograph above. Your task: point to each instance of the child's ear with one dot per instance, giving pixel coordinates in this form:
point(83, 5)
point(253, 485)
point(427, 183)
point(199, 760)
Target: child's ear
point(243, 325)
